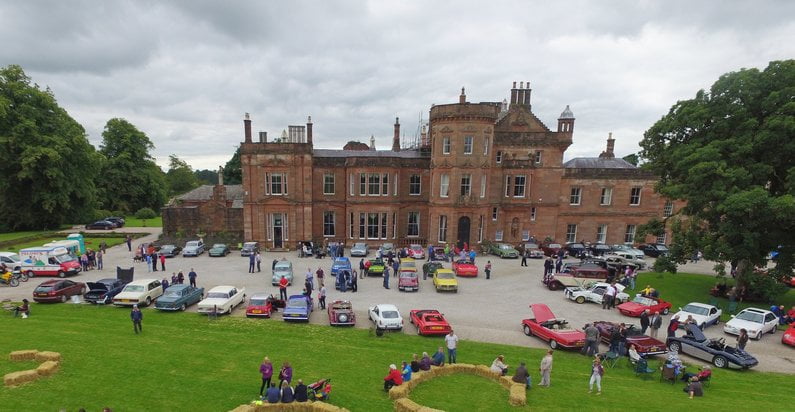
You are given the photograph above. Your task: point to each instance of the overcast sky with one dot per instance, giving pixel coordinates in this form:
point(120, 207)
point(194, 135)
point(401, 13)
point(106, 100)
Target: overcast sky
point(185, 72)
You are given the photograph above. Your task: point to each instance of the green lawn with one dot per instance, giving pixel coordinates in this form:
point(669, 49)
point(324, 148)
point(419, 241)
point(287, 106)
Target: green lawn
point(18, 235)
point(183, 361)
point(91, 243)
point(135, 222)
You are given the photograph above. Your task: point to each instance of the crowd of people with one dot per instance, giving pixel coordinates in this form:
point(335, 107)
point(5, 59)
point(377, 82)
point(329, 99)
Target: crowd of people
point(284, 392)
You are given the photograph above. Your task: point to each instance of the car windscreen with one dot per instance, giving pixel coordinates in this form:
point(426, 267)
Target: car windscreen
point(643, 301)
point(554, 245)
point(14, 258)
point(445, 275)
point(389, 314)
point(217, 295)
point(662, 248)
point(282, 266)
point(192, 243)
point(506, 247)
point(407, 264)
point(219, 246)
point(300, 303)
point(408, 274)
point(44, 288)
point(134, 288)
point(531, 246)
point(698, 310)
point(66, 258)
point(258, 302)
point(751, 317)
point(417, 248)
point(167, 248)
point(463, 262)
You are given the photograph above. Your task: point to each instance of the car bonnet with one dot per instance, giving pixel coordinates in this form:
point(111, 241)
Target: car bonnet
point(541, 312)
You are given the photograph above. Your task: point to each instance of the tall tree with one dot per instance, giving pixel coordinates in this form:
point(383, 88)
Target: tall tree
point(180, 177)
point(233, 172)
point(206, 176)
point(47, 165)
point(729, 153)
point(130, 178)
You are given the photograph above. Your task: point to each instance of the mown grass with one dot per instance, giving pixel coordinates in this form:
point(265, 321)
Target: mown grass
point(135, 222)
point(183, 361)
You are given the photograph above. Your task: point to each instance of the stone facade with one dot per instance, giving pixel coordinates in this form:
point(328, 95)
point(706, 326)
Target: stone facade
point(213, 210)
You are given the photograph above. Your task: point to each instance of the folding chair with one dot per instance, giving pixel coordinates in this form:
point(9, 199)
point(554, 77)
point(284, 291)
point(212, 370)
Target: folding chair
point(732, 307)
point(668, 372)
point(610, 358)
point(642, 369)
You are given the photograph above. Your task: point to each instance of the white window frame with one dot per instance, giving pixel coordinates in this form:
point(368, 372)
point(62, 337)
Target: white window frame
point(634, 199)
point(468, 143)
point(352, 184)
point(373, 221)
point(483, 185)
point(416, 224)
point(629, 234)
point(494, 213)
point(269, 183)
point(533, 212)
point(373, 182)
point(333, 183)
point(508, 180)
point(485, 146)
point(606, 196)
point(395, 193)
point(525, 235)
point(571, 232)
point(466, 189)
point(443, 228)
point(446, 145)
point(480, 229)
point(575, 196)
point(519, 187)
point(384, 225)
point(362, 184)
point(444, 185)
point(537, 157)
point(662, 238)
point(499, 156)
point(362, 225)
point(412, 184)
point(351, 226)
point(394, 225)
point(498, 236)
point(668, 209)
point(329, 225)
point(385, 184)
point(601, 233)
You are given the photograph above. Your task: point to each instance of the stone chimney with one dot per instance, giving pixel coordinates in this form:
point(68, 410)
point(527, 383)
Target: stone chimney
point(309, 129)
point(463, 97)
point(520, 96)
point(372, 142)
point(611, 143)
point(247, 128)
point(424, 137)
point(396, 138)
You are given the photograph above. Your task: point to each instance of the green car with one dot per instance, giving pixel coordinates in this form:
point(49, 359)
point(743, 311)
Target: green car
point(504, 250)
point(219, 250)
point(430, 268)
point(376, 267)
point(179, 297)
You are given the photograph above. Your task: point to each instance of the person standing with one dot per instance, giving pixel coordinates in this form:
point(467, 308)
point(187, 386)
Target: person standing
point(546, 368)
point(430, 252)
point(596, 375)
point(354, 282)
point(100, 255)
point(644, 321)
point(266, 369)
point(163, 262)
point(559, 263)
point(103, 246)
point(129, 243)
point(362, 269)
point(180, 278)
point(472, 256)
point(252, 260)
point(742, 339)
point(488, 269)
point(320, 275)
point(673, 326)
point(452, 345)
point(608, 296)
point(137, 317)
point(524, 258)
point(148, 263)
point(259, 262)
point(386, 277)
point(321, 297)
point(591, 340)
point(164, 283)
point(286, 374)
point(191, 277)
point(154, 261)
point(283, 282)
point(655, 323)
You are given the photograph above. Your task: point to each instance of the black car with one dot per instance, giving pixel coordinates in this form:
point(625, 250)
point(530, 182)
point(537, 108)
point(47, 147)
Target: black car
point(695, 344)
point(428, 269)
point(577, 250)
point(101, 225)
point(170, 250)
point(118, 221)
point(103, 290)
point(654, 250)
point(599, 249)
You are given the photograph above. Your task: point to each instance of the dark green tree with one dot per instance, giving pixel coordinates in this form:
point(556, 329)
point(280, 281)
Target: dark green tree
point(130, 178)
point(47, 166)
point(233, 173)
point(180, 177)
point(632, 158)
point(206, 176)
point(729, 153)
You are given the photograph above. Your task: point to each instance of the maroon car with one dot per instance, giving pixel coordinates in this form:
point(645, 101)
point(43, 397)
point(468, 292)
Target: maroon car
point(645, 345)
point(551, 248)
point(58, 290)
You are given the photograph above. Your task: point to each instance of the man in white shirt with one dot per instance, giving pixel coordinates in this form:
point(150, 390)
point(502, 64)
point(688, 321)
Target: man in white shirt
point(607, 298)
point(452, 343)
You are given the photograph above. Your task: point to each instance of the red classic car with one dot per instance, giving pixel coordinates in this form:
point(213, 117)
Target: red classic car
point(465, 267)
point(556, 331)
point(408, 280)
point(340, 313)
point(260, 306)
point(429, 322)
point(788, 338)
point(551, 249)
point(645, 345)
point(416, 252)
point(640, 303)
point(58, 290)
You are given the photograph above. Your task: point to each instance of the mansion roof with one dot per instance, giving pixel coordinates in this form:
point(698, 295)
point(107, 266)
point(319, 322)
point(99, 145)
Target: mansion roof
point(598, 163)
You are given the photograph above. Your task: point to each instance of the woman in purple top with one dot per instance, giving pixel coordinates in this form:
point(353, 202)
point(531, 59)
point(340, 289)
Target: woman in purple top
point(286, 374)
point(266, 369)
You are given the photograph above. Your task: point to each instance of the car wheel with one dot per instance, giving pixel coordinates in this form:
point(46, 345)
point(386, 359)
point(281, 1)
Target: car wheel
point(665, 311)
point(553, 344)
point(773, 330)
point(674, 347)
point(758, 335)
point(31, 274)
point(183, 307)
point(61, 274)
point(148, 301)
point(580, 299)
point(229, 312)
point(23, 276)
point(63, 298)
point(720, 362)
point(527, 331)
point(702, 326)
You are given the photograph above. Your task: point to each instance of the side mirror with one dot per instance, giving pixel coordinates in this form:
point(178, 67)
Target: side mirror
point(680, 308)
point(732, 315)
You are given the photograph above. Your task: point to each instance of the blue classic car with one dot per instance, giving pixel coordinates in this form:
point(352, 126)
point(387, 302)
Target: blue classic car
point(103, 290)
point(340, 263)
point(695, 344)
point(298, 308)
point(179, 297)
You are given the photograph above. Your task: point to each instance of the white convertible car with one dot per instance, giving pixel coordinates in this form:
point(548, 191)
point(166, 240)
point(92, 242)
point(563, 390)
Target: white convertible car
point(140, 292)
point(222, 299)
point(703, 314)
point(594, 293)
point(386, 317)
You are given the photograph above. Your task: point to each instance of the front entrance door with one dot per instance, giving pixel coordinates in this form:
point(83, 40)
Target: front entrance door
point(463, 231)
point(278, 227)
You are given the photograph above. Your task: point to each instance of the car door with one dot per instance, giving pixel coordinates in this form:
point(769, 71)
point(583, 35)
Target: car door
point(713, 316)
point(597, 294)
point(771, 322)
point(72, 288)
point(374, 314)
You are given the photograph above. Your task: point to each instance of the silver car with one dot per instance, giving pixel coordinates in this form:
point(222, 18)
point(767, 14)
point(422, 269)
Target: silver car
point(193, 248)
point(283, 269)
point(359, 249)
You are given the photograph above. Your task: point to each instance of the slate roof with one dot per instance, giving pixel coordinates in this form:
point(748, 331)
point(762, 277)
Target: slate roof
point(205, 192)
point(598, 163)
point(405, 154)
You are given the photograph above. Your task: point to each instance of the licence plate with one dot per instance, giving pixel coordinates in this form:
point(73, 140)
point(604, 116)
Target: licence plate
point(437, 328)
point(256, 311)
point(42, 294)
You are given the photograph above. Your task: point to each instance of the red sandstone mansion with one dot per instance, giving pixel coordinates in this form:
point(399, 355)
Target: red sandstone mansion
point(482, 171)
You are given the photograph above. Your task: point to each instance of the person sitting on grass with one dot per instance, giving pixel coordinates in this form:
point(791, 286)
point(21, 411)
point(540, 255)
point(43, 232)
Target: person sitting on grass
point(415, 363)
point(393, 378)
point(694, 388)
point(522, 375)
point(301, 394)
point(272, 395)
point(425, 362)
point(702, 375)
point(438, 357)
point(323, 394)
point(499, 366)
point(287, 393)
point(406, 371)
point(24, 309)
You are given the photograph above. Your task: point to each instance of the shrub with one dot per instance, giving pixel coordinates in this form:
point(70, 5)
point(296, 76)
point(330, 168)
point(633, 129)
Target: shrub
point(664, 264)
point(119, 213)
point(101, 214)
point(145, 213)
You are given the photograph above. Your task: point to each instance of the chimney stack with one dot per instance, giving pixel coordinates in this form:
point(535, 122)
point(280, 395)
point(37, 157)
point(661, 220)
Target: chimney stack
point(372, 142)
point(309, 129)
point(247, 128)
point(396, 138)
point(263, 137)
point(611, 143)
point(463, 98)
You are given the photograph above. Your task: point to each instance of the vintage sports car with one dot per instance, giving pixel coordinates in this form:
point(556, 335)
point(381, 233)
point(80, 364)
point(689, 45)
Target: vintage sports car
point(260, 306)
point(640, 303)
point(179, 297)
point(635, 253)
point(222, 299)
point(703, 314)
point(408, 280)
point(444, 280)
point(359, 249)
point(386, 316)
point(298, 308)
point(283, 269)
point(551, 249)
point(755, 321)
point(340, 264)
point(503, 250)
point(376, 267)
point(169, 251)
point(219, 250)
point(408, 263)
point(645, 345)
point(624, 259)
point(193, 248)
point(387, 249)
point(103, 290)
point(695, 344)
point(429, 268)
point(788, 338)
point(576, 276)
point(594, 293)
point(429, 322)
point(553, 330)
point(438, 254)
point(340, 313)
point(58, 290)
point(532, 250)
point(140, 292)
point(416, 252)
point(465, 267)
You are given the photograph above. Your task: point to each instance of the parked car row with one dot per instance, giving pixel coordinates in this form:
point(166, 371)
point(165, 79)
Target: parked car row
point(108, 223)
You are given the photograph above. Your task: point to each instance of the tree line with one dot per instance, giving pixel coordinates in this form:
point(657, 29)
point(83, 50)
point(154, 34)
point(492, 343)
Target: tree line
point(51, 175)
